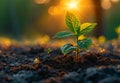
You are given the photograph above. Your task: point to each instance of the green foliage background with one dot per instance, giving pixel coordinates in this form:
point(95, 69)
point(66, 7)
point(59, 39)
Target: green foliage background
point(112, 20)
point(17, 15)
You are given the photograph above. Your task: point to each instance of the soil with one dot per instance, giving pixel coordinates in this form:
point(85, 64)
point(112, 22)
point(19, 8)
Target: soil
point(17, 65)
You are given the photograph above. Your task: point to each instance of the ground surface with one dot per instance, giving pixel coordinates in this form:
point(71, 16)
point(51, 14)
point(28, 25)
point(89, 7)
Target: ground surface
point(17, 65)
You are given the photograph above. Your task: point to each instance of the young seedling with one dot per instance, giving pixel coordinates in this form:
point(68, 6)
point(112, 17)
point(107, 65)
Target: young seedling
point(37, 61)
point(75, 30)
point(49, 50)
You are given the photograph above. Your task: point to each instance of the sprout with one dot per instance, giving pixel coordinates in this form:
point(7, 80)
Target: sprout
point(36, 61)
point(76, 29)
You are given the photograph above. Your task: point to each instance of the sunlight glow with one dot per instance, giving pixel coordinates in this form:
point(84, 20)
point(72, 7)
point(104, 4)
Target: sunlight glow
point(55, 10)
point(118, 30)
point(41, 1)
point(81, 37)
point(102, 39)
point(64, 5)
point(5, 42)
point(72, 5)
point(115, 1)
point(106, 4)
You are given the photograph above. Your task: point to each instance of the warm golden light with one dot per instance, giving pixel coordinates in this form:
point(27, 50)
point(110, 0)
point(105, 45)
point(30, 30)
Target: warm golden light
point(102, 39)
point(64, 5)
point(55, 10)
point(106, 4)
point(41, 1)
point(81, 37)
point(115, 1)
point(118, 30)
point(72, 5)
point(6, 42)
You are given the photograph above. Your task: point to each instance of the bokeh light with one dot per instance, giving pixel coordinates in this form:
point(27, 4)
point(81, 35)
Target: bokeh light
point(55, 10)
point(72, 5)
point(65, 5)
point(118, 30)
point(41, 1)
point(29, 18)
point(106, 4)
point(115, 1)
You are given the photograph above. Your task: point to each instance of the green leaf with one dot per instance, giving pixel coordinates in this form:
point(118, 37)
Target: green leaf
point(73, 22)
point(86, 27)
point(67, 48)
point(63, 34)
point(85, 43)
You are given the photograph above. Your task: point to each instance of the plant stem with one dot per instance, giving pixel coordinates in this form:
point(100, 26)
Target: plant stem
point(77, 55)
point(77, 52)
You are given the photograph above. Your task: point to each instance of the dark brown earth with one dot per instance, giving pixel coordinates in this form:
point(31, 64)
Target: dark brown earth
point(17, 65)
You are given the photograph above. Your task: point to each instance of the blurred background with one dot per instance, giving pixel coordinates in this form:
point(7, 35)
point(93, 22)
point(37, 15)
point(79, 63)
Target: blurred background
point(33, 18)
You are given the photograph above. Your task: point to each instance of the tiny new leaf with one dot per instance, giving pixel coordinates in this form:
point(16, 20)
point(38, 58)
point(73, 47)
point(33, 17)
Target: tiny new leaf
point(63, 34)
point(85, 43)
point(67, 48)
point(86, 27)
point(73, 22)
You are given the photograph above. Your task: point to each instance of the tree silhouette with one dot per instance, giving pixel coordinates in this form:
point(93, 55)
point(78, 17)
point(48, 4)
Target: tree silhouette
point(99, 18)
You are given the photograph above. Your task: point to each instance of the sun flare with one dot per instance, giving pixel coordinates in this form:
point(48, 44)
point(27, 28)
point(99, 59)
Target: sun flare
point(65, 5)
point(73, 5)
